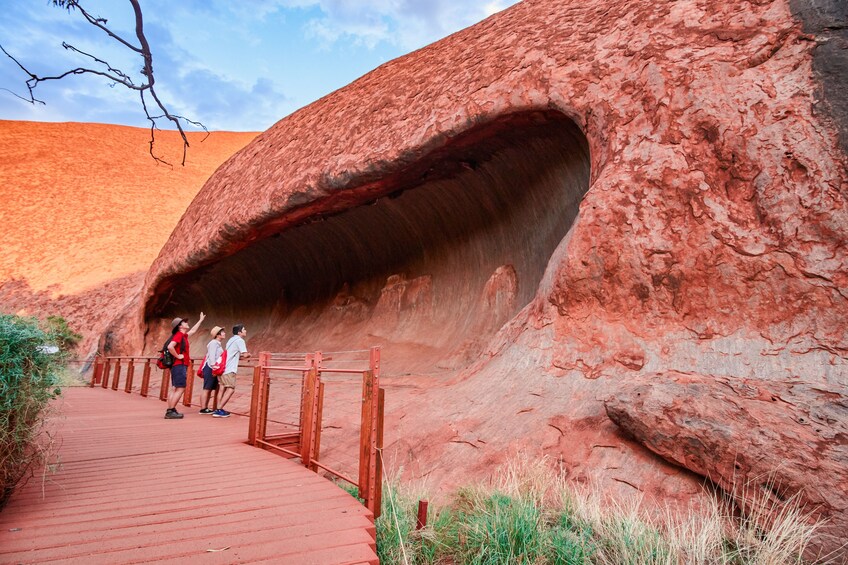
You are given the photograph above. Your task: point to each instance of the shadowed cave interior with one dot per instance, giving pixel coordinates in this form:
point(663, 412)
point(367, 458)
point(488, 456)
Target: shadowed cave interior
point(456, 245)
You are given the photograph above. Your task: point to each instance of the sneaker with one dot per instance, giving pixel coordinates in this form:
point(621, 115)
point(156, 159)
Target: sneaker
point(206, 411)
point(221, 413)
point(172, 414)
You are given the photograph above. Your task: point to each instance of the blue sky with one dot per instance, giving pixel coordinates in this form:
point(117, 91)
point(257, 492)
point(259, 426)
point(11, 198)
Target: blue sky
point(236, 65)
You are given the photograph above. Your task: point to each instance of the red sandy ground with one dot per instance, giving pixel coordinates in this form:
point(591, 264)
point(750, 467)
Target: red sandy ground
point(85, 210)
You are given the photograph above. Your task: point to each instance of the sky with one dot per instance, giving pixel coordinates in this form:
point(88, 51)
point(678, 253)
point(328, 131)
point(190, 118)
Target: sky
point(234, 65)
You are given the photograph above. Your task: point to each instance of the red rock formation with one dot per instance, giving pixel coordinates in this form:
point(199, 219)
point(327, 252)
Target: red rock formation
point(777, 439)
point(437, 196)
point(85, 211)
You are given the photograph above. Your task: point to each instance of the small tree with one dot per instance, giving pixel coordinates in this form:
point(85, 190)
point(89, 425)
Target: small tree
point(61, 334)
point(102, 68)
point(28, 379)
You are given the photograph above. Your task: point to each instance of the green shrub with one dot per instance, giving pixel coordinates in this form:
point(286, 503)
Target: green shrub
point(397, 539)
point(570, 541)
point(393, 528)
point(61, 335)
point(28, 378)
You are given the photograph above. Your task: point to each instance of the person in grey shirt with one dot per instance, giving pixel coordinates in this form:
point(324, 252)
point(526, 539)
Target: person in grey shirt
point(236, 349)
point(214, 352)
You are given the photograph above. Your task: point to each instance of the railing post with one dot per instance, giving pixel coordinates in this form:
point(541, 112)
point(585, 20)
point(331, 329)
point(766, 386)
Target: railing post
point(421, 521)
point(316, 450)
point(97, 373)
point(117, 376)
point(309, 410)
point(130, 374)
point(316, 404)
point(145, 378)
point(254, 405)
point(264, 393)
point(189, 390)
point(378, 456)
point(374, 378)
point(308, 417)
point(163, 386)
point(365, 435)
point(106, 368)
point(310, 362)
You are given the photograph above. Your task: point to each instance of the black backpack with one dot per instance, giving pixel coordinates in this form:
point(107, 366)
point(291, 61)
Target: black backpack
point(166, 360)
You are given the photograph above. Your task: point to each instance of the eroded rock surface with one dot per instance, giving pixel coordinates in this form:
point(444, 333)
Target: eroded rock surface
point(759, 440)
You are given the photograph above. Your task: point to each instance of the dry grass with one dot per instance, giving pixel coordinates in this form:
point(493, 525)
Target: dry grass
point(530, 513)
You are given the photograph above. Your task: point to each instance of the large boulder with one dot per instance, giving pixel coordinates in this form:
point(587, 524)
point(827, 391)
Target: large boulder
point(761, 441)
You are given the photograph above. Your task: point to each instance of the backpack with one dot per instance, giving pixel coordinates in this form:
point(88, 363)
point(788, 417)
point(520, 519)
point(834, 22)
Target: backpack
point(218, 369)
point(166, 360)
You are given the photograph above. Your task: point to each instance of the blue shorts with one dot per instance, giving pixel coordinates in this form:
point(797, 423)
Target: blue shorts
point(210, 381)
point(178, 376)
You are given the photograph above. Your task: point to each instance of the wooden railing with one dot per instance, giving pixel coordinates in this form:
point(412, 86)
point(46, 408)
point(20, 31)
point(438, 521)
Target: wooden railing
point(304, 441)
point(108, 371)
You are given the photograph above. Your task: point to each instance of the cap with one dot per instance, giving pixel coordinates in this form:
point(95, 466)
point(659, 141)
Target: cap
point(216, 330)
point(175, 323)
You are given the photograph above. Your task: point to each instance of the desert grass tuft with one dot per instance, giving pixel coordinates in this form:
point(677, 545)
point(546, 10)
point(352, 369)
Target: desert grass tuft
point(528, 513)
point(770, 530)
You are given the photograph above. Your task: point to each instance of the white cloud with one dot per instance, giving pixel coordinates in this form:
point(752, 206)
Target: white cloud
point(223, 103)
point(409, 24)
point(365, 31)
point(231, 65)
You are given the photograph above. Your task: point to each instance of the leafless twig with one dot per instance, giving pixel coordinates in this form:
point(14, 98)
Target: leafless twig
point(116, 76)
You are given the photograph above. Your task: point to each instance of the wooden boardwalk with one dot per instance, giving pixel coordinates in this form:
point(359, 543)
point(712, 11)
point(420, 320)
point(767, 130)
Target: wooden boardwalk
point(132, 487)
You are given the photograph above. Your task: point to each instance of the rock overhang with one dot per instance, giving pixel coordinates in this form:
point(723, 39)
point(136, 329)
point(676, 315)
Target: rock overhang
point(450, 242)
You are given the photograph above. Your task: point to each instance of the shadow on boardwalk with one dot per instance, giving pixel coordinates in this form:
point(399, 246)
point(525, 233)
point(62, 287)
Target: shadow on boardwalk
point(133, 487)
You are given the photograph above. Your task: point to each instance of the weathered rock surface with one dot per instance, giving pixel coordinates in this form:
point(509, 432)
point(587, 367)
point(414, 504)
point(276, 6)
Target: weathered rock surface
point(532, 213)
point(759, 440)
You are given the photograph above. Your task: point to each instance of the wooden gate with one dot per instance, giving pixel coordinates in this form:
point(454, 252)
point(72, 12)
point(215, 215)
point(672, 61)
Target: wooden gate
point(304, 442)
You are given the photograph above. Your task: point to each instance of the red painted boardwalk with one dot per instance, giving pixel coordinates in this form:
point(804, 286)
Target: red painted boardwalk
point(133, 487)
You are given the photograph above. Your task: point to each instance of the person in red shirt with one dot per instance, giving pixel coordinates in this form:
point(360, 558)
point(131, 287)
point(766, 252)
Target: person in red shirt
point(179, 348)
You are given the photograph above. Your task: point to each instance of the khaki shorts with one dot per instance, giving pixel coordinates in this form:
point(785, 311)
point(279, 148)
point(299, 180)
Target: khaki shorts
point(228, 380)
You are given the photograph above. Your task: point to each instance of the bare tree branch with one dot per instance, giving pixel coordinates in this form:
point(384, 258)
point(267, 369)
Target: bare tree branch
point(101, 22)
point(125, 79)
point(116, 76)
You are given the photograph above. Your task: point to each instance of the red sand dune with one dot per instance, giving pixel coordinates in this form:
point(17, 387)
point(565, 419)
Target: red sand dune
point(85, 211)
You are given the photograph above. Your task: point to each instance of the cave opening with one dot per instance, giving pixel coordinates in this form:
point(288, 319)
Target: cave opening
point(431, 266)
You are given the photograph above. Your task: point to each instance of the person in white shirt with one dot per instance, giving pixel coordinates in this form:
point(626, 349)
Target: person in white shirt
point(236, 349)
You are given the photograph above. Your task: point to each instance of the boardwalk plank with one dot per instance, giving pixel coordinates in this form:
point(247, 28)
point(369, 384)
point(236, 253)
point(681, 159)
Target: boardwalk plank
point(289, 515)
point(133, 487)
